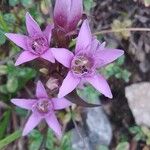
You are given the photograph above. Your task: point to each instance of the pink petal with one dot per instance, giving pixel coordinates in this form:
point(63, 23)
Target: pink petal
point(68, 85)
point(48, 32)
point(61, 103)
point(24, 103)
point(100, 84)
point(32, 122)
point(48, 56)
point(75, 14)
point(25, 56)
point(40, 90)
point(18, 39)
point(32, 26)
point(107, 56)
point(62, 55)
point(61, 12)
point(84, 38)
point(54, 124)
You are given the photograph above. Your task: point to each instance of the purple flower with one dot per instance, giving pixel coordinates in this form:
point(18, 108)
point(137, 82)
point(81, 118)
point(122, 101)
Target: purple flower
point(36, 44)
point(89, 55)
point(67, 14)
point(42, 108)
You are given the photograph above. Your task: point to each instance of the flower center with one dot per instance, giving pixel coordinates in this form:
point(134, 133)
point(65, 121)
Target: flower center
point(38, 44)
point(82, 65)
point(44, 106)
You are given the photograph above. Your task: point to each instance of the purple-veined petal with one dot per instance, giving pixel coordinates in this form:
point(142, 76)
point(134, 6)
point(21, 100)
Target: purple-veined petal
point(62, 55)
point(99, 82)
point(54, 124)
point(32, 26)
point(32, 122)
point(61, 12)
point(48, 56)
point(25, 56)
point(84, 38)
point(18, 39)
point(107, 55)
point(41, 91)
point(75, 14)
point(48, 32)
point(68, 85)
point(24, 103)
point(60, 103)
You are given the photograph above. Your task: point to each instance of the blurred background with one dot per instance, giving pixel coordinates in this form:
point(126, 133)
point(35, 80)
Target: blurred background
point(121, 123)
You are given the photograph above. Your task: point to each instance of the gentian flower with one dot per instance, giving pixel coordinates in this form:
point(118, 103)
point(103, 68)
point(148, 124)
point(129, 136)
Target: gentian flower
point(35, 45)
point(42, 108)
point(67, 14)
point(89, 55)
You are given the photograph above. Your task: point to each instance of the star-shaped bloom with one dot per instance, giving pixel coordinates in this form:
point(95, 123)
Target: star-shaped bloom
point(67, 14)
point(89, 55)
point(36, 44)
point(42, 108)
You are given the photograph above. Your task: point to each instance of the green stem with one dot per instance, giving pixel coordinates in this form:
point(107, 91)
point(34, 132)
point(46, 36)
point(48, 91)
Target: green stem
point(122, 29)
point(10, 138)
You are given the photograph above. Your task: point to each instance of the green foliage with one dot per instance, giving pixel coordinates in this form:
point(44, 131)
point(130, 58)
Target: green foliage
point(10, 138)
point(26, 3)
point(2, 37)
point(123, 146)
point(116, 69)
point(137, 132)
point(35, 140)
point(13, 2)
point(3, 123)
point(16, 77)
point(88, 4)
point(88, 93)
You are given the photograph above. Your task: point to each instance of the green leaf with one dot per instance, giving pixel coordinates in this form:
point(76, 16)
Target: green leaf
point(146, 131)
point(138, 133)
point(3, 24)
point(9, 18)
point(66, 142)
point(35, 139)
point(3, 70)
point(120, 61)
point(4, 122)
point(21, 112)
point(13, 2)
point(2, 38)
point(123, 146)
point(9, 139)
point(12, 84)
point(50, 140)
point(3, 89)
point(26, 3)
point(88, 4)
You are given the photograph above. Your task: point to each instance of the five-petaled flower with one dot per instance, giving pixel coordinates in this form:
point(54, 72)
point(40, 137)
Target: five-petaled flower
point(67, 14)
point(42, 108)
point(89, 55)
point(36, 44)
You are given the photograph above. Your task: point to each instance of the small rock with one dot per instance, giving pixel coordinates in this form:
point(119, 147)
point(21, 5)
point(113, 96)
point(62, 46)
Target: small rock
point(98, 127)
point(138, 96)
point(77, 142)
